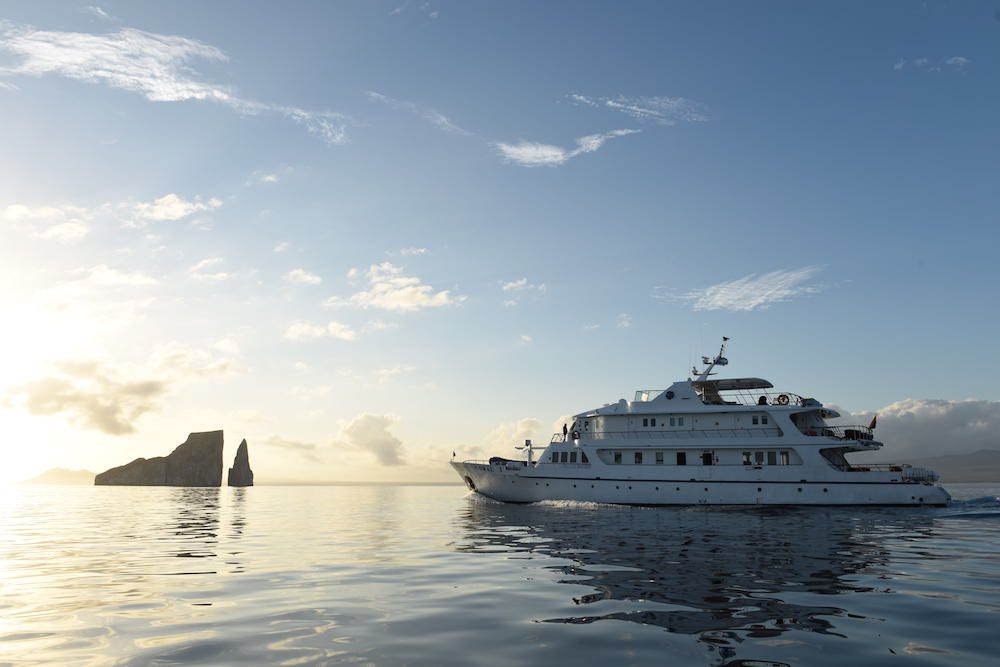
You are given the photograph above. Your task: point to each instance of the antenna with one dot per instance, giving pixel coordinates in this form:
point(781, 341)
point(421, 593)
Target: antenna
point(710, 363)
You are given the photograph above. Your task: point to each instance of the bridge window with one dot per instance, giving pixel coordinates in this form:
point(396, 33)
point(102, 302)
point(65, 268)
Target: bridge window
point(784, 458)
point(706, 458)
point(673, 421)
point(758, 458)
point(763, 419)
point(618, 457)
point(682, 458)
point(564, 457)
point(659, 458)
point(756, 420)
point(645, 422)
point(638, 458)
point(555, 457)
point(746, 458)
point(572, 457)
point(772, 458)
point(583, 457)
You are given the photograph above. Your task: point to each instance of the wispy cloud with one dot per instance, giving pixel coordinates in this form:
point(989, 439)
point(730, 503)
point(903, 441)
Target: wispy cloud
point(412, 252)
point(754, 291)
point(662, 110)
point(301, 330)
point(159, 67)
point(204, 272)
point(303, 277)
point(432, 116)
point(531, 154)
point(99, 12)
point(282, 246)
point(623, 321)
point(515, 289)
point(928, 65)
point(390, 289)
point(307, 450)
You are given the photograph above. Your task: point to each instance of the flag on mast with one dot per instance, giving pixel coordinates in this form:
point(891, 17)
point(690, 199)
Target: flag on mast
point(872, 424)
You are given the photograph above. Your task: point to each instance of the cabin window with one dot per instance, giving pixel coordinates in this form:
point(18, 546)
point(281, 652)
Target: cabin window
point(645, 422)
point(652, 422)
point(706, 458)
point(763, 419)
point(583, 457)
point(673, 421)
point(572, 457)
point(756, 420)
point(682, 458)
point(555, 457)
point(772, 458)
point(659, 458)
point(564, 457)
point(746, 458)
point(784, 458)
point(638, 458)
point(586, 425)
point(680, 421)
point(758, 458)
point(618, 457)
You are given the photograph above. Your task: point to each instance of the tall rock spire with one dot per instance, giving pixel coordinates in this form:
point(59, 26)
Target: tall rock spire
point(241, 474)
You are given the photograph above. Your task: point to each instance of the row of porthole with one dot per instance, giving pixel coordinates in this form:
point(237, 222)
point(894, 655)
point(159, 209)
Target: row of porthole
point(677, 488)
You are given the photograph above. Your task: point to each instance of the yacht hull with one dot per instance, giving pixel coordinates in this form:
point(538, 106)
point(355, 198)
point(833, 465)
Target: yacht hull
point(524, 484)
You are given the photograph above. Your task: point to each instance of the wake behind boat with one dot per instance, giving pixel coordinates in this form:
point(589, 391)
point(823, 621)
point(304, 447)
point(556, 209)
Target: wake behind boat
point(706, 442)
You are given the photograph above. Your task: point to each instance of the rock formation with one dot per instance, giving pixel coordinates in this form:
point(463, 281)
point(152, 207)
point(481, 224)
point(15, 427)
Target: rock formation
point(195, 462)
point(241, 474)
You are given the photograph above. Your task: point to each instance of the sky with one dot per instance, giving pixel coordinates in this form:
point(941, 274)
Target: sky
point(365, 235)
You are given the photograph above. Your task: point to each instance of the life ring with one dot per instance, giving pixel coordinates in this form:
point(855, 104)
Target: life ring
point(782, 399)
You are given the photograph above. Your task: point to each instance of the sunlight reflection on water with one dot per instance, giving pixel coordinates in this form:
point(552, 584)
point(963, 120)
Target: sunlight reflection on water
point(431, 575)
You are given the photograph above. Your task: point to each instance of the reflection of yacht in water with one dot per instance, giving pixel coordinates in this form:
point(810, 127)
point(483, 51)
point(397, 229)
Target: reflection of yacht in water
point(729, 578)
point(709, 442)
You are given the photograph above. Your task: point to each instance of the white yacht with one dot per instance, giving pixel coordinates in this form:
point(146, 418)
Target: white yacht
point(706, 441)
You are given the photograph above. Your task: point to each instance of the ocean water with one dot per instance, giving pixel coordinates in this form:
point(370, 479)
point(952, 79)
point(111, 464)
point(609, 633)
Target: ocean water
point(393, 575)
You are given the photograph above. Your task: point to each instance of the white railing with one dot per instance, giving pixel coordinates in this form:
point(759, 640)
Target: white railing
point(673, 435)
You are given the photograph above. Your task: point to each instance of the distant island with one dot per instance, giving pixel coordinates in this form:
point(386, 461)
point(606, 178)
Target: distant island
point(195, 462)
point(62, 476)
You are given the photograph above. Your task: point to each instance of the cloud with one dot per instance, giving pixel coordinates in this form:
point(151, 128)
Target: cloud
point(268, 178)
point(505, 436)
point(624, 321)
point(300, 330)
point(432, 116)
point(282, 246)
point(754, 291)
point(61, 223)
point(302, 277)
point(99, 12)
point(525, 339)
point(531, 154)
point(97, 396)
point(306, 450)
point(518, 288)
point(170, 207)
point(384, 375)
point(159, 67)
point(934, 427)
point(662, 110)
point(412, 252)
point(925, 64)
point(200, 271)
point(370, 433)
point(390, 289)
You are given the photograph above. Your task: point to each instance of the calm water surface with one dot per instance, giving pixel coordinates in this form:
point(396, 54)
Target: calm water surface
point(436, 576)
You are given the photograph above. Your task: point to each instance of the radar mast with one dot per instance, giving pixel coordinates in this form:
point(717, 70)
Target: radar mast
point(710, 363)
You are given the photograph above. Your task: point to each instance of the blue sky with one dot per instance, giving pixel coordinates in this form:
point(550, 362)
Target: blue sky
point(363, 235)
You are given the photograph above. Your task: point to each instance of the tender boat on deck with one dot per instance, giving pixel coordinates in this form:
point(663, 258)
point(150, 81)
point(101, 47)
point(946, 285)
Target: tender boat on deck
point(706, 442)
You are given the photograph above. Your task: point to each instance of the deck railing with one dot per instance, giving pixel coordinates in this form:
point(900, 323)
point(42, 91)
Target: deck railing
point(840, 432)
point(673, 435)
point(753, 397)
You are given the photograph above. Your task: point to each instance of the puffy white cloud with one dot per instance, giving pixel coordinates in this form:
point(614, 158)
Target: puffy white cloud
point(170, 207)
point(754, 291)
point(301, 330)
point(303, 277)
point(62, 223)
point(159, 67)
point(370, 433)
point(659, 109)
point(96, 395)
point(934, 427)
point(390, 289)
point(531, 154)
